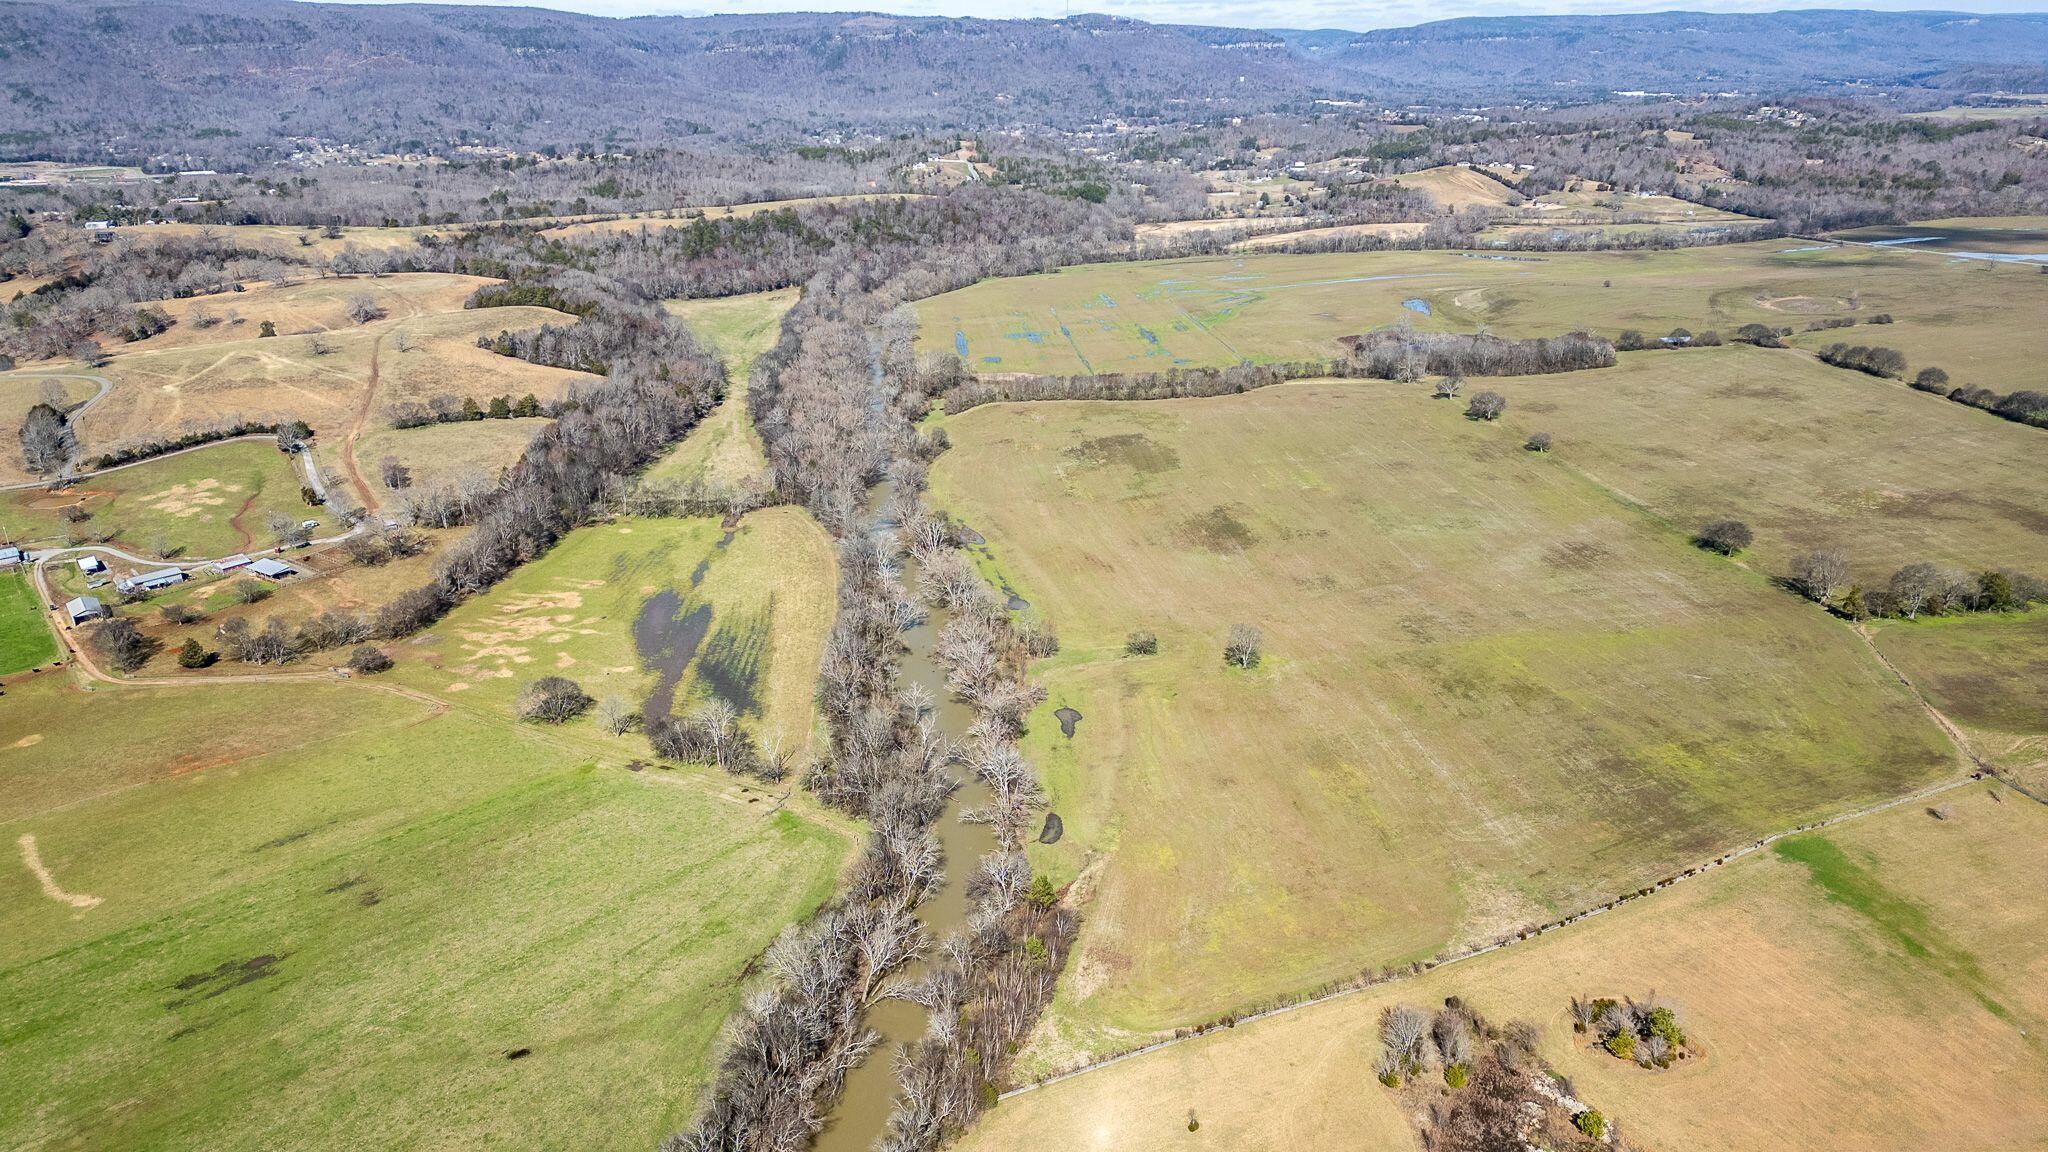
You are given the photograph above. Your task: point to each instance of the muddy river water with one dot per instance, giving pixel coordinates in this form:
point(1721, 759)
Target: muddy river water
point(856, 1122)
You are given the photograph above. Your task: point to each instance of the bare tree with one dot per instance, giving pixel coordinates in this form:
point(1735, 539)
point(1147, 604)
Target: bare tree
point(1486, 406)
point(1817, 575)
point(551, 700)
point(1243, 647)
point(616, 716)
point(46, 439)
point(363, 308)
point(1724, 536)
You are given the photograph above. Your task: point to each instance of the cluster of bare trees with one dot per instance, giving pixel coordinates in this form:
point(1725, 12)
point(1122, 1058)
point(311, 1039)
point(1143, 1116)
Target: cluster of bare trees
point(1172, 384)
point(1494, 1091)
point(47, 441)
point(712, 734)
point(1405, 354)
point(277, 642)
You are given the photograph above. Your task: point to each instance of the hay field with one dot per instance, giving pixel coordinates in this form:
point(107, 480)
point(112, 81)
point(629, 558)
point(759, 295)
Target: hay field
point(1809, 456)
point(303, 307)
point(291, 377)
point(293, 242)
point(1281, 240)
point(261, 907)
point(1492, 693)
point(1211, 311)
point(209, 502)
point(1455, 188)
point(724, 451)
point(759, 606)
point(1872, 1000)
point(438, 453)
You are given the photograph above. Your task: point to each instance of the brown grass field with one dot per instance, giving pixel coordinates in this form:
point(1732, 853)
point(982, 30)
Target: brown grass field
point(437, 453)
point(1455, 188)
point(304, 306)
point(1886, 997)
point(724, 452)
point(1989, 675)
point(1493, 692)
point(683, 217)
point(18, 393)
point(293, 242)
point(289, 377)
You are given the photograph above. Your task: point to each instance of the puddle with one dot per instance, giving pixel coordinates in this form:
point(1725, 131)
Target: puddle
point(697, 573)
point(1067, 718)
point(1052, 831)
point(1016, 603)
point(1417, 304)
point(666, 637)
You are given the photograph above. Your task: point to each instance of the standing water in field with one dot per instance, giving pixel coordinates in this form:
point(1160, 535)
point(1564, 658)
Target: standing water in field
point(666, 638)
point(857, 1120)
point(1417, 304)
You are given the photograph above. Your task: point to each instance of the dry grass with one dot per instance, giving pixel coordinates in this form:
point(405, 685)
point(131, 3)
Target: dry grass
point(1492, 692)
point(290, 377)
point(304, 307)
point(293, 242)
point(438, 453)
point(1989, 674)
point(1456, 188)
point(1822, 1030)
point(1390, 231)
point(683, 217)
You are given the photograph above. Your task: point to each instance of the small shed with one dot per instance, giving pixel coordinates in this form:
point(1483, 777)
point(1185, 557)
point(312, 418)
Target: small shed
point(83, 608)
point(272, 569)
point(10, 556)
point(151, 581)
point(230, 563)
point(91, 564)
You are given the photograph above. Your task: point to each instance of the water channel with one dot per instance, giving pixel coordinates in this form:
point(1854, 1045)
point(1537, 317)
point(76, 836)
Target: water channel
point(857, 1120)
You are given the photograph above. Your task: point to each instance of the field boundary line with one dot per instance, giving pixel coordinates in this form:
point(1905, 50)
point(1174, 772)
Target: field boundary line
point(1427, 967)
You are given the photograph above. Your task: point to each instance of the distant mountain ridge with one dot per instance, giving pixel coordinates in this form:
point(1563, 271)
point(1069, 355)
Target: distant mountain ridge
point(130, 77)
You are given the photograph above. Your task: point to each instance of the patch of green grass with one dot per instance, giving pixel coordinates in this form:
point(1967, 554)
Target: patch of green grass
point(724, 451)
point(1897, 920)
point(1986, 671)
point(385, 915)
point(212, 502)
point(25, 639)
point(1216, 310)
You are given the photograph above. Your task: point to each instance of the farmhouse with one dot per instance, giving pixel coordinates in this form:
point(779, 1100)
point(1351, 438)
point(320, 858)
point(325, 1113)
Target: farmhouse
point(83, 608)
point(151, 581)
point(272, 569)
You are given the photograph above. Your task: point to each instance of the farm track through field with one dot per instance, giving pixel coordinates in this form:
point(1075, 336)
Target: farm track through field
point(355, 431)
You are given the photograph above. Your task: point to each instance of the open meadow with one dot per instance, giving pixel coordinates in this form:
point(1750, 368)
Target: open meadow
point(25, 641)
point(1492, 692)
point(1217, 310)
point(724, 451)
point(212, 501)
point(235, 911)
point(665, 610)
point(1875, 988)
point(1989, 674)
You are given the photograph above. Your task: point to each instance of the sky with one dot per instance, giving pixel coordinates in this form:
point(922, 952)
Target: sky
point(1356, 15)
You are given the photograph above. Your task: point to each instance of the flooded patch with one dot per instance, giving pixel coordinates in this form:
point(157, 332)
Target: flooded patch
point(697, 573)
point(1133, 450)
point(1417, 304)
point(1016, 603)
point(1067, 718)
point(1053, 829)
point(1219, 530)
point(735, 658)
point(666, 637)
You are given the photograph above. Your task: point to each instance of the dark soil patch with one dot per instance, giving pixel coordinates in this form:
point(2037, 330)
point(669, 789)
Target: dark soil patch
point(1052, 831)
point(343, 886)
point(1219, 530)
point(287, 838)
point(1133, 450)
point(519, 1054)
point(636, 765)
point(1067, 718)
point(666, 637)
